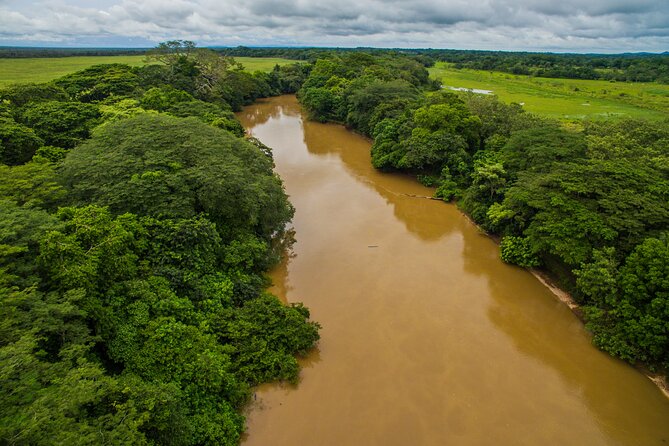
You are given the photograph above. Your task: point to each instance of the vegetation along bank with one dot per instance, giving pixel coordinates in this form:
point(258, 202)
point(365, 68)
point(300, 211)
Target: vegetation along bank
point(136, 225)
point(587, 203)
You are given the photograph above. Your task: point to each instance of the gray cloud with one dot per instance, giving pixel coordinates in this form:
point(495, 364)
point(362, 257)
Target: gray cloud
point(564, 25)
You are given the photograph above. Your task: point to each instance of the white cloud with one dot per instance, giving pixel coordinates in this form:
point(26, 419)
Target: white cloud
point(576, 25)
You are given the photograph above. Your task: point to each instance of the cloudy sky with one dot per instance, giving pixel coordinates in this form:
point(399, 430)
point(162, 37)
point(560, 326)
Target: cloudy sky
point(534, 25)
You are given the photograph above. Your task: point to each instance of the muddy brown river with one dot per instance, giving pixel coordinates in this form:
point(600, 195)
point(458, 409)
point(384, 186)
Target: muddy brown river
point(428, 338)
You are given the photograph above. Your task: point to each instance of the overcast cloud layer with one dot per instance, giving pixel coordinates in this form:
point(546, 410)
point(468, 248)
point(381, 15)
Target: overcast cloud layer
point(535, 25)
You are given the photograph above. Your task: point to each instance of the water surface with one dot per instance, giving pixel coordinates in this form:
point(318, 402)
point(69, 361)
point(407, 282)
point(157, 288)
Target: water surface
point(428, 338)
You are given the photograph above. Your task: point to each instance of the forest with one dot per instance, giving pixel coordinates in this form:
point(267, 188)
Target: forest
point(137, 225)
point(589, 204)
point(639, 67)
point(632, 67)
point(14, 52)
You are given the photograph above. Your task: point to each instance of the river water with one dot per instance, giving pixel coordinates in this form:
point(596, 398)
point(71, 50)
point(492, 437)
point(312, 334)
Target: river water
point(428, 338)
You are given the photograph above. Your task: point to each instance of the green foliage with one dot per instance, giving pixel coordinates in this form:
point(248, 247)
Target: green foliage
point(162, 330)
point(21, 228)
point(436, 136)
point(20, 94)
point(50, 154)
point(169, 167)
point(61, 124)
point(447, 188)
point(125, 108)
point(34, 184)
point(287, 79)
point(579, 207)
point(634, 140)
point(363, 101)
point(18, 143)
point(163, 98)
point(615, 67)
point(425, 150)
point(142, 321)
point(628, 310)
point(597, 279)
point(323, 104)
point(518, 251)
point(260, 357)
point(99, 82)
point(537, 148)
point(207, 112)
point(349, 88)
point(499, 120)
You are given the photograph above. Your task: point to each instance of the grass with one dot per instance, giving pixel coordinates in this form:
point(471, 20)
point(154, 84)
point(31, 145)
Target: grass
point(565, 99)
point(13, 71)
point(265, 64)
point(21, 71)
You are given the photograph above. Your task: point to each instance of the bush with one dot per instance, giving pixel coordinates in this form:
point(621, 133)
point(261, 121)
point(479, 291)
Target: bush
point(518, 251)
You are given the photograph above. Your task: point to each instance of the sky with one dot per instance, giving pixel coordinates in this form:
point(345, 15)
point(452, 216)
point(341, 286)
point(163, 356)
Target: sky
point(605, 26)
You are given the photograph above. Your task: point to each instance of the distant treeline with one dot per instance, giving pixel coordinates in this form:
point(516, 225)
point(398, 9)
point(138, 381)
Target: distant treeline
point(640, 67)
point(637, 67)
point(619, 67)
point(15, 52)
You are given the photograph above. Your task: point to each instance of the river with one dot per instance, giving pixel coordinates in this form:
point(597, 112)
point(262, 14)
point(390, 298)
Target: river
point(428, 338)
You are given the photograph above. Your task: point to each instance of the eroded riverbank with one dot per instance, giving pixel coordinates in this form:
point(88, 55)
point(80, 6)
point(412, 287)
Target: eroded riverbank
point(428, 338)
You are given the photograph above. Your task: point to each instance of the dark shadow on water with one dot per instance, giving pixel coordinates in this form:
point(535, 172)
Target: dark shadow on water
point(542, 327)
point(265, 109)
point(417, 214)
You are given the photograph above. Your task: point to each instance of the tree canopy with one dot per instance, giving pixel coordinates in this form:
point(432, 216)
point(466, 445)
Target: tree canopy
point(136, 227)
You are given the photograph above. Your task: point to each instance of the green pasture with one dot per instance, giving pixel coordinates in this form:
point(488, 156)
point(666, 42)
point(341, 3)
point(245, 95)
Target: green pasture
point(565, 99)
point(45, 69)
point(262, 63)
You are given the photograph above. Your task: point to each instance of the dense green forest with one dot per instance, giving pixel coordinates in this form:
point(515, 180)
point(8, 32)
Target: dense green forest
point(639, 67)
point(633, 67)
point(135, 231)
point(137, 224)
point(19, 52)
point(616, 67)
point(589, 205)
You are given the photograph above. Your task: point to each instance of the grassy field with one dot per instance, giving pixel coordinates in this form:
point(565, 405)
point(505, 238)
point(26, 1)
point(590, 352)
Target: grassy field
point(565, 99)
point(262, 63)
point(46, 69)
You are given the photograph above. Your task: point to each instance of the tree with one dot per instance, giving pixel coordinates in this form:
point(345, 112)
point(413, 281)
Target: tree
point(207, 68)
point(363, 101)
point(628, 307)
point(171, 52)
point(100, 82)
point(578, 207)
point(61, 124)
point(33, 184)
point(161, 166)
point(162, 98)
point(20, 94)
point(536, 148)
point(18, 143)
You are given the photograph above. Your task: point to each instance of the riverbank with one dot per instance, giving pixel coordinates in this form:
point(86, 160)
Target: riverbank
point(660, 380)
point(426, 332)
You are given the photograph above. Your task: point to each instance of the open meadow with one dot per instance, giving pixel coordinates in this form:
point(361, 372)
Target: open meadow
point(565, 99)
point(45, 69)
